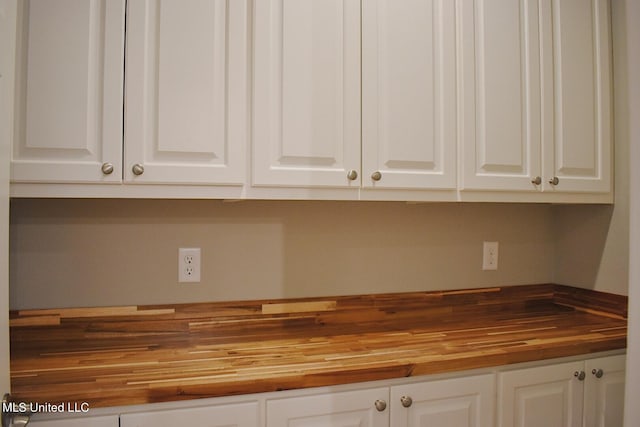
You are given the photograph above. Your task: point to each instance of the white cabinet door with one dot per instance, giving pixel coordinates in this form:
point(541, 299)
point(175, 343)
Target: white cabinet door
point(68, 107)
point(107, 421)
point(186, 100)
point(604, 392)
point(232, 415)
point(576, 78)
point(500, 87)
point(460, 402)
point(306, 93)
point(346, 409)
point(547, 396)
point(409, 94)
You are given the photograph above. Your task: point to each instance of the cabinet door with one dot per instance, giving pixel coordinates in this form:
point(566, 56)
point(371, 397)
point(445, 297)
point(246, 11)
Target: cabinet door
point(68, 106)
point(354, 408)
point(107, 421)
point(233, 415)
point(549, 396)
point(460, 402)
point(409, 94)
point(186, 91)
point(306, 93)
point(604, 392)
point(577, 92)
point(500, 87)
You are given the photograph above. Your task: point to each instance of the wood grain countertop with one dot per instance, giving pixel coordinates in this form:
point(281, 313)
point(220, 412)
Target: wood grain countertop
point(142, 354)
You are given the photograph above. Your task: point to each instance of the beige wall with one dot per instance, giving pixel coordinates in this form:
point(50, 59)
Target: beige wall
point(592, 248)
point(112, 252)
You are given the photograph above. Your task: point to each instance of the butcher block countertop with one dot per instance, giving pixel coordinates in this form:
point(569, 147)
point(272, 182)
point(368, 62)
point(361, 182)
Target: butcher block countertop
point(141, 354)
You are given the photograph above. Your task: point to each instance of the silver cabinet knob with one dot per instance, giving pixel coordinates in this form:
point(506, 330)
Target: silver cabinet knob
point(137, 169)
point(352, 175)
point(579, 375)
point(537, 180)
point(376, 176)
point(554, 181)
point(598, 373)
point(406, 401)
point(381, 405)
point(107, 168)
point(11, 418)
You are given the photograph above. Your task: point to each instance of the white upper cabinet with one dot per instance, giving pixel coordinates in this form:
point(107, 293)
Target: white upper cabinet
point(536, 95)
point(306, 93)
point(409, 94)
point(68, 103)
point(576, 79)
point(501, 94)
point(186, 104)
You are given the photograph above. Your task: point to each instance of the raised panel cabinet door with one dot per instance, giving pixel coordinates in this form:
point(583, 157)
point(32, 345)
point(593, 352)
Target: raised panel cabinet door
point(409, 94)
point(547, 396)
point(604, 392)
point(500, 95)
point(106, 421)
point(459, 402)
point(344, 409)
point(68, 104)
point(232, 415)
point(306, 93)
point(577, 130)
point(186, 106)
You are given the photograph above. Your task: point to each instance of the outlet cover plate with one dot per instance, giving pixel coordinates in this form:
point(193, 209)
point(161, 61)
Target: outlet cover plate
point(189, 265)
point(490, 255)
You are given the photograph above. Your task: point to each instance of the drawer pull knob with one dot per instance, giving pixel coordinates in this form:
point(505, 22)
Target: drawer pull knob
point(579, 375)
point(598, 373)
point(381, 405)
point(554, 181)
point(376, 176)
point(537, 180)
point(406, 401)
point(352, 175)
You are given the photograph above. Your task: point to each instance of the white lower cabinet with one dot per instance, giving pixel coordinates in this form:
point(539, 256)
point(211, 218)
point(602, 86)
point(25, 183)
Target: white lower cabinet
point(232, 415)
point(106, 421)
point(459, 402)
point(361, 408)
point(584, 393)
point(604, 392)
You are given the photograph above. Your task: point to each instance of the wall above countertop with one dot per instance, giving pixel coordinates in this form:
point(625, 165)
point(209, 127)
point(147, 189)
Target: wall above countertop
point(74, 253)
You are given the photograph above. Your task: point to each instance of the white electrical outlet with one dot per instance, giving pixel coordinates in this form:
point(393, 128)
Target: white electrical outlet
point(189, 265)
point(490, 255)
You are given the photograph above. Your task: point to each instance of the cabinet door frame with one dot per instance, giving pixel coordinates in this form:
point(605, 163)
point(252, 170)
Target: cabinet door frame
point(484, 164)
point(246, 414)
point(576, 173)
point(351, 406)
point(216, 149)
point(599, 411)
point(302, 136)
point(102, 421)
point(530, 383)
point(409, 99)
point(48, 150)
point(477, 393)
